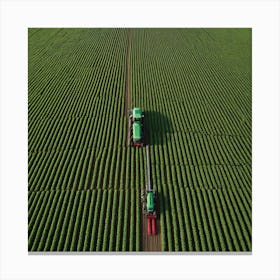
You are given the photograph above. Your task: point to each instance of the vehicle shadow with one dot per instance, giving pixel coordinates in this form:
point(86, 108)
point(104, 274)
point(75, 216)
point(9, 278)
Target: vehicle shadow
point(163, 204)
point(157, 126)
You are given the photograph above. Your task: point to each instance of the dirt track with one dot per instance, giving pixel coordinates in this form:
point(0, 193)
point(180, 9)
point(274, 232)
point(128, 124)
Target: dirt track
point(127, 85)
point(149, 243)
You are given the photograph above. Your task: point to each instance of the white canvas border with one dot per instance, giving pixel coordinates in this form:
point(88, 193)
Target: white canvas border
point(17, 16)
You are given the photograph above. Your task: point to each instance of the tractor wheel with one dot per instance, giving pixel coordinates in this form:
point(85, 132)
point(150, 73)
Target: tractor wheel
point(144, 208)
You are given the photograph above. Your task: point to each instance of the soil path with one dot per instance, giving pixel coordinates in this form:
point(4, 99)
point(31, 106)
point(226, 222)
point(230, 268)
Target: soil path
point(149, 243)
point(127, 86)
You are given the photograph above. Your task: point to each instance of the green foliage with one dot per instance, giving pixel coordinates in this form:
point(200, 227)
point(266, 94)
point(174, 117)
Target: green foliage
point(194, 87)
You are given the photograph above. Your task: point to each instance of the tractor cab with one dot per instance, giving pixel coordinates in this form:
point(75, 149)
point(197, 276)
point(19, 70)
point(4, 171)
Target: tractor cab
point(150, 202)
point(137, 114)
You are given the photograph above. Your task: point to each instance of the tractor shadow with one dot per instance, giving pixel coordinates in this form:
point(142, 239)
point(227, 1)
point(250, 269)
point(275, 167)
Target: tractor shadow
point(163, 203)
point(157, 127)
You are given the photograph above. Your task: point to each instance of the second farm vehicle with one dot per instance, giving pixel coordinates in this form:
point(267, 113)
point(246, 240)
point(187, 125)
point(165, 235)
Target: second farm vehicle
point(136, 127)
point(149, 200)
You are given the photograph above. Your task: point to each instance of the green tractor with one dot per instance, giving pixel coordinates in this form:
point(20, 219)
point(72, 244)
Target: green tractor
point(136, 126)
point(149, 200)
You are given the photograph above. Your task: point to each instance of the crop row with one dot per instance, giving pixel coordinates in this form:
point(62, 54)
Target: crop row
point(87, 169)
point(67, 114)
point(83, 182)
point(76, 121)
point(91, 220)
point(197, 101)
point(205, 220)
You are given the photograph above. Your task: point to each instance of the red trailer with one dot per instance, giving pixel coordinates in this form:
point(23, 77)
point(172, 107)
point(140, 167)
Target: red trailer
point(151, 223)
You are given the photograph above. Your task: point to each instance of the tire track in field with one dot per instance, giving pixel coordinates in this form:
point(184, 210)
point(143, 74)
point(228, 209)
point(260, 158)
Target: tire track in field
point(127, 86)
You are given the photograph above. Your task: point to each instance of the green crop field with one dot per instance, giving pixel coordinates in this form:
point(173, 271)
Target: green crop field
point(84, 183)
